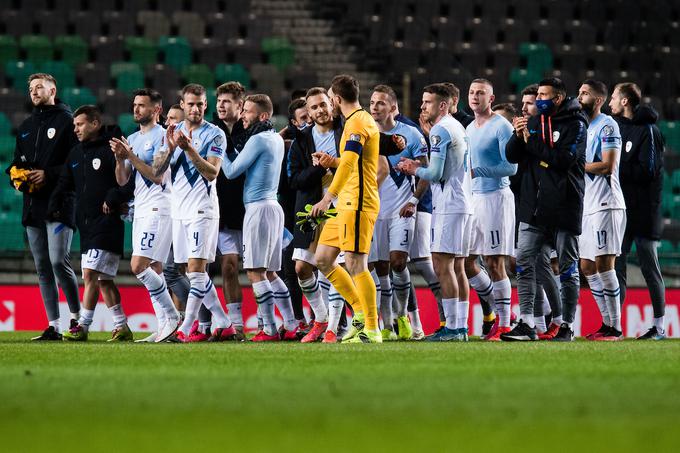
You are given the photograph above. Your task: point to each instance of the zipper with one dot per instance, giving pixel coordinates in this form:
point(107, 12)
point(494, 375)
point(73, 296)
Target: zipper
point(538, 198)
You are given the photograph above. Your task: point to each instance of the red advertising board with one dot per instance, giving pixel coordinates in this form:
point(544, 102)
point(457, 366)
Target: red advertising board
point(21, 309)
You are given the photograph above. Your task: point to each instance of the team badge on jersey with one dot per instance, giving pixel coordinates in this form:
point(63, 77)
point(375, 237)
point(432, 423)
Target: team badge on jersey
point(629, 146)
point(147, 146)
point(423, 141)
point(96, 163)
point(435, 140)
point(354, 137)
point(556, 135)
point(51, 133)
point(607, 131)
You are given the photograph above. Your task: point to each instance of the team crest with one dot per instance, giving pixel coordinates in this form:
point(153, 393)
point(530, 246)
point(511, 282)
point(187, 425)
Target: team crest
point(218, 140)
point(556, 135)
point(629, 146)
point(96, 163)
point(435, 140)
point(607, 131)
point(354, 137)
point(51, 132)
point(147, 146)
point(423, 142)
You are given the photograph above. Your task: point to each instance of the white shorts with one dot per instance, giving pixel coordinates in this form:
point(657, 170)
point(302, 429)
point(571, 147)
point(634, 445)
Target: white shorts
point(393, 235)
point(450, 233)
point(263, 235)
point(194, 238)
point(420, 245)
point(602, 233)
point(230, 242)
point(373, 252)
point(152, 237)
point(102, 261)
point(493, 224)
point(306, 255)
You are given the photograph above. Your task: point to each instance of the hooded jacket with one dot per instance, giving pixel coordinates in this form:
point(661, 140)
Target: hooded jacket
point(553, 160)
point(230, 191)
point(89, 172)
point(641, 172)
point(43, 142)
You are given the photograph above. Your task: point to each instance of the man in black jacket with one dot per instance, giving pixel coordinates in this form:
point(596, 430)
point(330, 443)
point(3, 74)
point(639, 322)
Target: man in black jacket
point(551, 147)
point(641, 177)
point(42, 145)
point(89, 172)
point(310, 180)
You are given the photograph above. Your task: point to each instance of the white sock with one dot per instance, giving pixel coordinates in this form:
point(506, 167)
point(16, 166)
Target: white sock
point(324, 286)
point(483, 286)
point(378, 288)
point(204, 327)
point(160, 313)
point(462, 318)
point(451, 312)
point(425, 268)
point(659, 324)
point(386, 301)
point(597, 288)
point(56, 324)
point(235, 314)
point(415, 320)
point(401, 281)
point(75, 315)
point(264, 295)
point(212, 303)
point(335, 306)
point(557, 320)
point(612, 295)
point(502, 290)
point(194, 300)
point(85, 319)
point(539, 322)
point(546, 305)
point(158, 291)
point(528, 319)
point(119, 318)
point(284, 304)
point(312, 291)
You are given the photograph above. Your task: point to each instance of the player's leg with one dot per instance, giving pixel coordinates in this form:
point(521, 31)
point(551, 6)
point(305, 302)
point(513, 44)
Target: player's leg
point(291, 281)
point(310, 286)
point(400, 237)
point(566, 244)
point(478, 277)
point(649, 265)
point(463, 297)
point(421, 258)
point(230, 246)
point(59, 238)
point(38, 243)
point(79, 332)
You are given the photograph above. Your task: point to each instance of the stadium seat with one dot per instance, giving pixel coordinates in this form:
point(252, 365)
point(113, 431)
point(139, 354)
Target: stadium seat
point(266, 78)
point(12, 232)
point(16, 23)
point(85, 23)
point(11, 200)
point(7, 144)
point(51, 23)
point(76, 97)
point(199, 73)
point(130, 80)
point(163, 78)
point(142, 50)
point(93, 76)
point(538, 57)
point(120, 67)
point(126, 122)
point(675, 182)
point(520, 78)
point(118, 24)
point(232, 72)
point(176, 51)
point(280, 52)
point(18, 72)
point(221, 27)
point(154, 23)
point(189, 24)
point(5, 124)
point(61, 71)
point(8, 49)
point(671, 133)
point(107, 49)
point(36, 47)
point(14, 100)
point(72, 49)
point(114, 102)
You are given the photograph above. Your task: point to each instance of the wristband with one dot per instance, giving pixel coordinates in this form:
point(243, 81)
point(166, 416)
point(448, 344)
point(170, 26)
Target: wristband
point(414, 201)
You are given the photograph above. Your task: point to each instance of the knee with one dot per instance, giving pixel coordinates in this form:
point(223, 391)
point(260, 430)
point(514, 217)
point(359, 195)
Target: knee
point(303, 270)
point(324, 263)
point(137, 268)
point(398, 263)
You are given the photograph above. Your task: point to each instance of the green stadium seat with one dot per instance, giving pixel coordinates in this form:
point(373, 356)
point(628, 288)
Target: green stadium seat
point(119, 67)
point(73, 49)
point(8, 49)
point(11, 232)
point(5, 124)
point(129, 80)
point(7, 145)
point(75, 243)
point(60, 70)
point(675, 182)
point(38, 48)
point(19, 71)
point(199, 73)
point(666, 252)
point(142, 50)
point(11, 200)
point(232, 72)
point(176, 50)
point(127, 242)
point(671, 133)
point(126, 122)
point(538, 55)
point(280, 52)
point(75, 97)
point(523, 77)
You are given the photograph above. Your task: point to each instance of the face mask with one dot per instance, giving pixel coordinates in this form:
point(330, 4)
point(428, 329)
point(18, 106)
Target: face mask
point(545, 106)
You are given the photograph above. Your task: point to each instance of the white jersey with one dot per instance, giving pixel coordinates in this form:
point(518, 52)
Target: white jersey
point(150, 198)
point(398, 188)
point(603, 192)
point(193, 196)
point(452, 192)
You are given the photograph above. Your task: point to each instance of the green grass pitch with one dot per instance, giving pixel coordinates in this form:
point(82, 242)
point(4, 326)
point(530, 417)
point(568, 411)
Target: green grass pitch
point(100, 397)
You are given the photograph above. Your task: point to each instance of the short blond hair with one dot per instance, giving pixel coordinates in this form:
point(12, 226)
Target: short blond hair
point(43, 76)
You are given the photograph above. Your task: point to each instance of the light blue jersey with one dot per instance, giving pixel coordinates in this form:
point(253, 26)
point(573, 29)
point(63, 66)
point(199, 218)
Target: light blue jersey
point(603, 192)
point(490, 167)
point(449, 170)
point(397, 189)
point(261, 161)
point(325, 142)
point(150, 198)
point(193, 196)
